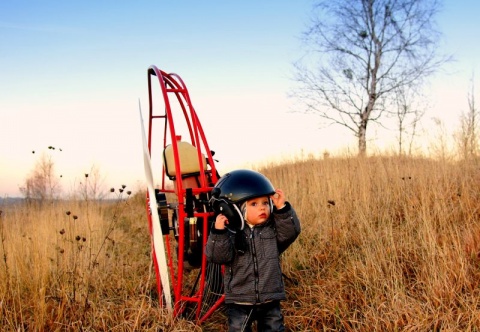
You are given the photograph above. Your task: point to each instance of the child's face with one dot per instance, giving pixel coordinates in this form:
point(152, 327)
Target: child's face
point(258, 210)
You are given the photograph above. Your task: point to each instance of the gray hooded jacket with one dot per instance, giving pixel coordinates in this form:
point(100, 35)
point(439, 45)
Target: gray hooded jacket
point(255, 276)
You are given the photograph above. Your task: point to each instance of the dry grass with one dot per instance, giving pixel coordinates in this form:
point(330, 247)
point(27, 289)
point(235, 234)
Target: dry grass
point(387, 244)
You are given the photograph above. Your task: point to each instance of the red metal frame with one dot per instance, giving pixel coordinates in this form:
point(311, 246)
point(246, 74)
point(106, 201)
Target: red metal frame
point(173, 89)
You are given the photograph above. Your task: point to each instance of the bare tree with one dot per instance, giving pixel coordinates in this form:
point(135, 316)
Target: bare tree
point(42, 184)
point(408, 112)
point(359, 53)
point(93, 186)
point(439, 143)
point(468, 136)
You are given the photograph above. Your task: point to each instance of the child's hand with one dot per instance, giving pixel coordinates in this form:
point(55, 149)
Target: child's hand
point(278, 198)
point(220, 222)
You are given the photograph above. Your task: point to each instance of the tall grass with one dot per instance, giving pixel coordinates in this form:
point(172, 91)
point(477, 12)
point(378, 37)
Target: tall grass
point(387, 244)
point(79, 265)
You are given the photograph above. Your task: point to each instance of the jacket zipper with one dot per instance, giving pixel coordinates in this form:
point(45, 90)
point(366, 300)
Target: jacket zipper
point(255, 264)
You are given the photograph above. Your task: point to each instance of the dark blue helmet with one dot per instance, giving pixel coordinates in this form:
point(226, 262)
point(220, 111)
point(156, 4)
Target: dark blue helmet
point(243, 184)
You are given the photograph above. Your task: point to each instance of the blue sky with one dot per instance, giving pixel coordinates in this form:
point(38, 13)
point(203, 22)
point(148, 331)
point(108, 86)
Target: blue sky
point(72, 73)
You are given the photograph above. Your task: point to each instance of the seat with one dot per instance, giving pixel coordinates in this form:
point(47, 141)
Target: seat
point(189, 163)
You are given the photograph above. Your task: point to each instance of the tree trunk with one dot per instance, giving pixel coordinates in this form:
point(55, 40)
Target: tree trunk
point(362, 138)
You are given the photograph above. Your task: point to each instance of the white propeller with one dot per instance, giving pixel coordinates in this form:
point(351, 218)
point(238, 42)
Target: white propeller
point(157, 235)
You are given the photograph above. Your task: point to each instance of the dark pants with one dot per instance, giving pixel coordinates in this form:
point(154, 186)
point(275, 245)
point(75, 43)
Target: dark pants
point(268, 317)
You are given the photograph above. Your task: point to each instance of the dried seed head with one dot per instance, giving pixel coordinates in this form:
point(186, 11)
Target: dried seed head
point(123, 186)
point(75, 217)
point(68, 213)
point(62, 231)
point(112, 190)
point(77, 237)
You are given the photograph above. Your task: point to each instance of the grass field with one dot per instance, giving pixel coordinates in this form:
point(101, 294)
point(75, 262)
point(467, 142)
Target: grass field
point(387, 244)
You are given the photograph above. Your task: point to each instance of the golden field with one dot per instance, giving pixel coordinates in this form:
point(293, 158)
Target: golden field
point(387, 244)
